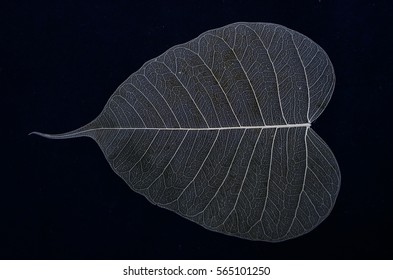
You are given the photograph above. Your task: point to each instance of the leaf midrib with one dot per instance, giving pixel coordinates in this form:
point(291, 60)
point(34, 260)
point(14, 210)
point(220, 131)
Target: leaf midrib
point(202, 128)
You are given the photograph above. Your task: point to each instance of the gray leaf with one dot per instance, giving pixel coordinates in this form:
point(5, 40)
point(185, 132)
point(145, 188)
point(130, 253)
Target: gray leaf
point(218, 131)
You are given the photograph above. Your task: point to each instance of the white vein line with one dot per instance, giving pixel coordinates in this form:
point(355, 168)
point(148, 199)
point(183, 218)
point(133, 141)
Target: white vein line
point(189, 94)
point(219, 84)
point(246, 75)
point(117, 120)
point(128, 141)
point(268, 182)
point(199, 170)
point(147, 79)
point(237, 221)
point(226, 176)
point(263, 30)
point(286, 151)
point(305, 75)
point(301, 223)
point(206, 91)
point(329, 95)
point(316, 53)
point(284, 80)
point(323, 186)
point(211, 101)
point(192, 148)
point(248, 201)
point(328, 162)
point(154, 138)
point(99, 135)
point(155, 160)
point(245, 176)
point(107, 122)
point(278, 56)
point(125, 116)
point(106, 118)
point(110, 109)
point(132, 107)
point(148, 100)
point(313, 205)
point(303, 185)
point(252, 65)
point(245, 50)
point(274, 71)
point(109, 144)
point(272, 201)
point(118, 131)
point(316, 193)
point(271, 40)
point(75, 134)
point(320, 76)
point(181, 143)
point(317, 164)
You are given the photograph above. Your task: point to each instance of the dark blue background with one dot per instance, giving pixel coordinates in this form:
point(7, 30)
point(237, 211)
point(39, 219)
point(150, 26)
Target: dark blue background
point(60, 62)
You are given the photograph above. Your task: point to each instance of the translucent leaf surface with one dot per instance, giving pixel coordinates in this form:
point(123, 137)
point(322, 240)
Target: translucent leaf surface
point(218, 130)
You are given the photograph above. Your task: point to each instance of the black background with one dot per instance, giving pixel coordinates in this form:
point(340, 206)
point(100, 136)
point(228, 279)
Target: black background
point(60, 62)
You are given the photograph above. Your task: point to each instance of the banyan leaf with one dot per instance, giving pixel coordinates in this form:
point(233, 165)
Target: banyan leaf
point(218, 130)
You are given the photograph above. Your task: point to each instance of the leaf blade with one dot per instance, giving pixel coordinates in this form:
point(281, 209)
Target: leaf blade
point(218, 130)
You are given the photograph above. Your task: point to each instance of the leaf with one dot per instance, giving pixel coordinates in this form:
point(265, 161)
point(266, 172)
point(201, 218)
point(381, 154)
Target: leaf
point(218, 131)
